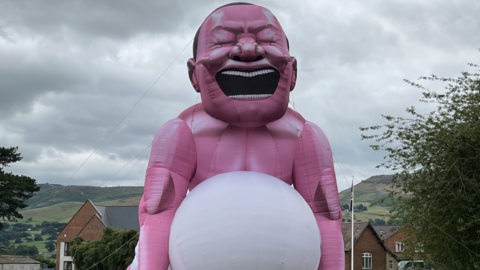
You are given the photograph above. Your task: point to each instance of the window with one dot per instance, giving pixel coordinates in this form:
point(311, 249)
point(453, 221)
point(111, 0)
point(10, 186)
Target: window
point(419, 248)
point(398, 247)
point(66, 249)
point(390, 265)
point(67, 265)
point(367, 260)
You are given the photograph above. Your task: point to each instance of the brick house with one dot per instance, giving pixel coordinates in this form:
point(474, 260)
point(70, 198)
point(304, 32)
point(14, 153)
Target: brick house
point(393, 239)
point(369, 250)
point(89, 222)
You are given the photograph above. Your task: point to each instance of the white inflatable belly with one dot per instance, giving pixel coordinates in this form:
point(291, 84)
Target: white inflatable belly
point(244, 221)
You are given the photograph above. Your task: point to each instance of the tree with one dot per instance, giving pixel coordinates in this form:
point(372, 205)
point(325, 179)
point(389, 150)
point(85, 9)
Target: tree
point(436, 187)
point(118, 245)
point(15, 190)
point(49, 262)
point(48, 230)
point(4, 241)
point(38, 237)
point(50, 246)
point(26, 250)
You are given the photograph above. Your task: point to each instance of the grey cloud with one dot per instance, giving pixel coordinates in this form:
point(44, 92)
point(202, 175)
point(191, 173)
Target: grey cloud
point(106, 19)
point(71, 70)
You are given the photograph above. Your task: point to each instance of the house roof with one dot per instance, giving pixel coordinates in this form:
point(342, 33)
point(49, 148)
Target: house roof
point(120, 217)
point(17, 260)
point(359, 228)
point(385, 231)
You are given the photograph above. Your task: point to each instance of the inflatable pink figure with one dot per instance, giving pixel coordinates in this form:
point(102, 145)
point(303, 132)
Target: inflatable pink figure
point(244, 73)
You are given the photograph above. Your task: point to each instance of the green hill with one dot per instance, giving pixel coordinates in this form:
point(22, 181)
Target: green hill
point(51, 194)
point(59, 203)
point(367, 192)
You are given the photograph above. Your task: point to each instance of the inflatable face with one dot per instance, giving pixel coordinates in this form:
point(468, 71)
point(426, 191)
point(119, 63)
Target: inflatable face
point(243, 69)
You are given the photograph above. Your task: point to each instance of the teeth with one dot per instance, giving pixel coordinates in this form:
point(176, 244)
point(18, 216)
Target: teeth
point(247, 74)
point(250, 96)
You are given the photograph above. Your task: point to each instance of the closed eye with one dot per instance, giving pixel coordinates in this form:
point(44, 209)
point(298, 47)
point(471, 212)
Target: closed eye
point(221, 43)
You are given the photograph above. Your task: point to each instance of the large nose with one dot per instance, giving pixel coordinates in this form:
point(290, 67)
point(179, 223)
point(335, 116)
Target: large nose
point(247, 49)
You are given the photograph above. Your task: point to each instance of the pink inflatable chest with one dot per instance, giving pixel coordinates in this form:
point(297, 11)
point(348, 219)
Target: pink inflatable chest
point(225, 148)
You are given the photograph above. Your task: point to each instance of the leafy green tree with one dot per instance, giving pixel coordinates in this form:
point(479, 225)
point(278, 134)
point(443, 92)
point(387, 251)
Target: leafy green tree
point(4, 241)
point(436, 157)
point(380, 221)
point(45, 224)
point(38, 237)
point(9, 250)
point(14, 189)
point(50, 246)
point(26, 250)
point(48, 230)
point(116, 248)
point(49, 262)
point(3, 248)
point(5, 226)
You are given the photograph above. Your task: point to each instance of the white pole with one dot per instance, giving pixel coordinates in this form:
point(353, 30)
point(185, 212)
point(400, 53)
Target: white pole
point(353, 236)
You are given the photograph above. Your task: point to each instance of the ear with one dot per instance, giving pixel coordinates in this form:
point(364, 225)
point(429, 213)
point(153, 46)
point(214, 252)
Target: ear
point(294, 73)
point(191, 74)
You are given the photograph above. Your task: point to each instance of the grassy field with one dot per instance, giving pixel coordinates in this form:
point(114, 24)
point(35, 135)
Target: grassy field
point(61, 212)
point(55, 194)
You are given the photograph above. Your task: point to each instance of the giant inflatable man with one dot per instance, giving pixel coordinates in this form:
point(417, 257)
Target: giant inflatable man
point(244, 72)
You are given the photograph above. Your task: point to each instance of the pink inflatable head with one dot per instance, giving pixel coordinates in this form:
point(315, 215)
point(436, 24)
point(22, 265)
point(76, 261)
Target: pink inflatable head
point(242, 67)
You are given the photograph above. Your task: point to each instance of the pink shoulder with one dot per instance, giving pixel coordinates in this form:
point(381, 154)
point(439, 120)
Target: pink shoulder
point(190, 111)
point(291, 123)
point(200, 121)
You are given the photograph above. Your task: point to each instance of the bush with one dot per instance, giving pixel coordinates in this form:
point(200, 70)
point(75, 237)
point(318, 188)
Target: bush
point(38, 237)
point(49, 230)
point(49, 262)
point(4, 241)
point(26, 250)
point(50, 246)
point(5, 226)
point(18, 241)
point(45, 224)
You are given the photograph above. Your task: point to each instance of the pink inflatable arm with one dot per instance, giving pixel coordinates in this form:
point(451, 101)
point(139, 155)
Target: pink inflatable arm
point(171, 166)
point(314, 179)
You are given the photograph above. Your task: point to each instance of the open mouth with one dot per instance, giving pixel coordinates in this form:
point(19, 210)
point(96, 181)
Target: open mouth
point(256, 84)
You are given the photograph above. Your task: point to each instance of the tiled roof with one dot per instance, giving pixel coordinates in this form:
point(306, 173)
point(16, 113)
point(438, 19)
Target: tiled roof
point(358, 228)
point(120, 217)
point(385, 231)
point(17, 260)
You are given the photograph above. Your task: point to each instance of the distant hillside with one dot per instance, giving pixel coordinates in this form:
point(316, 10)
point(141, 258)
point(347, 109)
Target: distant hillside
point(59, 203)
point(51, 194)
point(367, 192)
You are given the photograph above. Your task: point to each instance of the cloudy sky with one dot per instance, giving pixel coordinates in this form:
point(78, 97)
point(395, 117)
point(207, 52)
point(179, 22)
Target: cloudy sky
point(70, 71)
